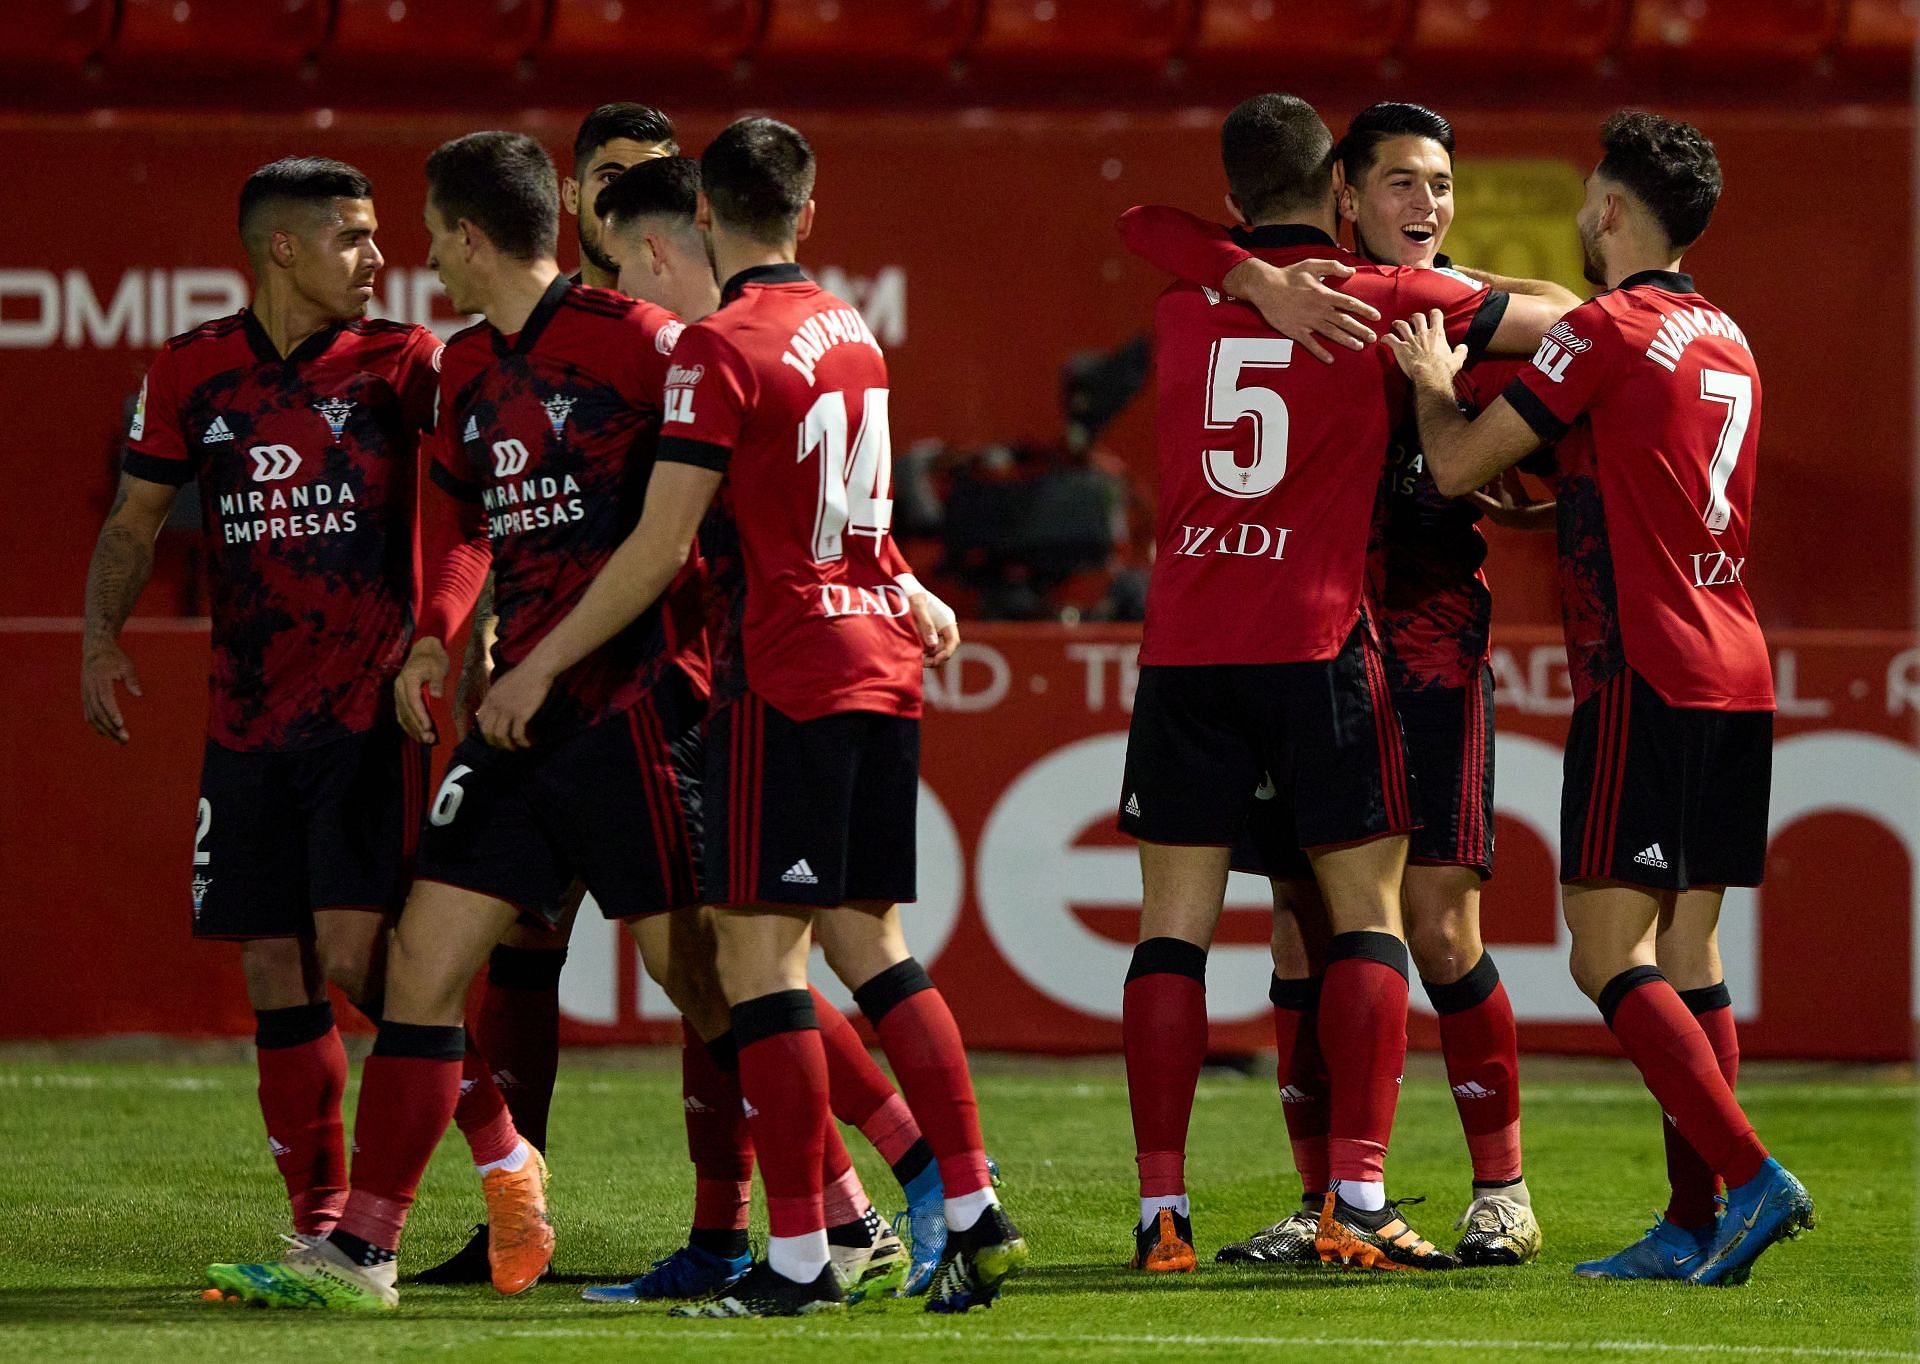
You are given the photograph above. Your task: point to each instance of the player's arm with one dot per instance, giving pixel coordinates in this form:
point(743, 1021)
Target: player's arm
point(1527, 319)
point(1507, 503)
point(457, 560)
point(476, 669)
point(1461, 455)
point(933, 620)
point(1291, 298)
point(645, 565)
point(122, 562)
point(1520, 287)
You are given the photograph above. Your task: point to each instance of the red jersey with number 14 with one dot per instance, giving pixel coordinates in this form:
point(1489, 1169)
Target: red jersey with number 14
point(1270, 461)
point(1657, 395)
point(785, 389)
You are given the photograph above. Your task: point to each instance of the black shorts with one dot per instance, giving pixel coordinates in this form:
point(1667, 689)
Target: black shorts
point(1666, 797)
point(810, 812)
point(1318, 744)
point(1449, 742)
point(281, 835)
point(616, 806)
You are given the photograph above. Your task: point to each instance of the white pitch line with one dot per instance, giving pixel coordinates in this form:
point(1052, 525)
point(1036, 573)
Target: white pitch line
point(1134, 1341)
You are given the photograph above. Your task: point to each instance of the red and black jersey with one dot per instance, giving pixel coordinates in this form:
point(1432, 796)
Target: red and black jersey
point(547, 440)
point(785, 389)
point(1270, 469)
point(309, 475)
point(1655, 399)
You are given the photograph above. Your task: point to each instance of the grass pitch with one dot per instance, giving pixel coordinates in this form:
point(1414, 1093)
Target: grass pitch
point(119, 1181)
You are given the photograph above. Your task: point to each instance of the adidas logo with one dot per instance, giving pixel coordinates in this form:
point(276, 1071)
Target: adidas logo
point(1651, 856)
point(1293, 1094)
point(1473, 1089)
point(800, 874)
point(473, 430)
point(1133, 805)
point(693, 1105)
point(278, 1147)
point(218, 432)
point(466, 1086)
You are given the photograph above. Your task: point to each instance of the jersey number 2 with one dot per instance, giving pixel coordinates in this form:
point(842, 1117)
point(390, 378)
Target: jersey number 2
point(856, 491)
point(1736, 391)
point(1228, 403)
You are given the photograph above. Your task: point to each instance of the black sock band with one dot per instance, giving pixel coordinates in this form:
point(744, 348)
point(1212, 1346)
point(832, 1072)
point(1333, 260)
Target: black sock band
point(879, 995)
point(1168, 957)
point(363, 1253)
point(421, 1041)
point(1623, 985)
point(913, 1162)
point(526, 968)
point(725, 1053)
point(1471, 989)
point(1706, 999)
point(274, 1029)
point(1368, 946)
point(726, 1242)
point(1301, 995)
point(755, 1020)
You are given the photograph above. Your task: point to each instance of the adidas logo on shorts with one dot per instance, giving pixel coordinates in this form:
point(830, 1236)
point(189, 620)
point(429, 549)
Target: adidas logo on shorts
point(1293, 1094)
point(218, 432)
point(1473, 1089)
point(1651, 856)
point(279, 1148)
point(1133, 805)
point(800, 874)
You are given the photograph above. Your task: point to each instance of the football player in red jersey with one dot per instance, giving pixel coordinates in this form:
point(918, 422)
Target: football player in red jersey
point(301, 419)
point(1654, 396)
point(812, 760)
point(1276, 530)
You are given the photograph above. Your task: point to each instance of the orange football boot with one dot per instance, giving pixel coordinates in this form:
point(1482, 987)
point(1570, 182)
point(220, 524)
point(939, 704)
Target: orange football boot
point(520, 1242)
point(1166, 1247)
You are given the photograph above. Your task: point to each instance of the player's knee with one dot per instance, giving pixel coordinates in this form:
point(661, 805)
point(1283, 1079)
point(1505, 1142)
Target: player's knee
point(1444, 947)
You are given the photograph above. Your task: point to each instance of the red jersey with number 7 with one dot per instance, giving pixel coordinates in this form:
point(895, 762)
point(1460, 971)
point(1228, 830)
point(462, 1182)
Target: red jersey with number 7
point(1655, 398)
point(784, 389)
point(1270, 461)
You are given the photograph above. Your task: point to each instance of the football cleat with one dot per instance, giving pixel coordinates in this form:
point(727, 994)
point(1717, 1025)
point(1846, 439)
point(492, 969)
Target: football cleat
point(923, 1228)
point(683, 1276)
point(1287, 1242)
point(1375, 1240)
point(1665, 1252)
point(978, 1263)
point(871, 1270)
point(1497, 1231)
point(520, 1234)
point(1164, 1245)
point(467, 1265)
point(1772, 1206)
point(317, 1276)
point(765, 1292)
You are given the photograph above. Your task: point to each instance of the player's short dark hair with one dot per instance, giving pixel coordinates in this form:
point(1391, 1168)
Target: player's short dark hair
point(1359, 147)
point(1278, 155)
point(311, 180)
point(758, 175)
point(1669, 166)
point(634, 122)
point(503, 183)
point(666, 186)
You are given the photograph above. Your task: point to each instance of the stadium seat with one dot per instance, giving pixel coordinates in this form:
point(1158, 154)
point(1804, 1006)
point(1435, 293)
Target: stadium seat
point(1023, 37)
point(644, 41)
point(1278, 42)
point(1512, 37)
point(47, 38)
point(867, 37)
point(1684, 38)
point(172, 37)
point(430, 38)
point(1876, 41)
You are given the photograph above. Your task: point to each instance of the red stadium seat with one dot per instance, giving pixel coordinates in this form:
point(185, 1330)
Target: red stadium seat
point(415, 38)
point(179, 36)
point(46, 38)
point(645, 42)
point(1284, 44)
point(868, 37)
point(1683, 38)
point(1516, 37)
point(1876, 41)
point(1020, 37)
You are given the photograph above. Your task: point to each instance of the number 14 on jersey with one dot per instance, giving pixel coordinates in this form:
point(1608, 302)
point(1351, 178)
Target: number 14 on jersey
point(856, 487)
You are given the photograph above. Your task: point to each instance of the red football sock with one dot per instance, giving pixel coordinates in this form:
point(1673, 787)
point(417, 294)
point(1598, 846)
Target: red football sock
point(1163, 1027)
point(842, 1198)
point(719, 1142)
point(517, 1028)
point(1482, 1051)
point(783, 1074)
point(303, 1073)
point(1674, 1057)
point(1693, 1181)
point(482, 1113)
point(1363, 1032)
point(859, 1090)
point(408, 1090)
point(923, 1045)
point(1301, 1072)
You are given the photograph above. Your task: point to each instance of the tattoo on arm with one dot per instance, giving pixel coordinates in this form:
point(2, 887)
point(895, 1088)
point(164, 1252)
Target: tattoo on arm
point(122, 562)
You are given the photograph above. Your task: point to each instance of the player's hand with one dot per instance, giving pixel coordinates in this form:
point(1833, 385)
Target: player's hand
point(423, 674)
point(936, 625)
point(1297, 305)
point(104, 665)
point(512, 701)
point(1507, 503)
point(468, 696)
point(1422, 350)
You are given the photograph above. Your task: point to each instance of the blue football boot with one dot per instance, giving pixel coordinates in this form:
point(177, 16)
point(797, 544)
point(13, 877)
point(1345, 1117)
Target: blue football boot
point(689, 1272)
point(1770, 1207)
point(1665, 1252)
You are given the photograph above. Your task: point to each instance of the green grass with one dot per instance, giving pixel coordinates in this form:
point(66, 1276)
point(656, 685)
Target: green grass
point(119, 1181)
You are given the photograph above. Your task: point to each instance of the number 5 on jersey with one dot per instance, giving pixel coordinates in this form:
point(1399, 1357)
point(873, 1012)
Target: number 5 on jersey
point(1228, 404)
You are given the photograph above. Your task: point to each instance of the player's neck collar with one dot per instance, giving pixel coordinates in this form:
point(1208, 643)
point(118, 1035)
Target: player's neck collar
point(537, 320)
point(1275, 236)
point(1673, 281)
point(264, 350)
point(782, 272)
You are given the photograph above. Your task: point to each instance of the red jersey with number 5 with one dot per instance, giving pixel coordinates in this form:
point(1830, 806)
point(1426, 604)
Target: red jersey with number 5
point(785, 390)
point(1655, 393)
point(1270, 461)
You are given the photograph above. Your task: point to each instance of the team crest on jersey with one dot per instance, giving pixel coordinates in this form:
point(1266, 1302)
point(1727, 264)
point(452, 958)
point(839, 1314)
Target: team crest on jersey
point(668, 337)
point(201, 885)
point(1562, 334)
point(336, 411)
point(559, 406)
